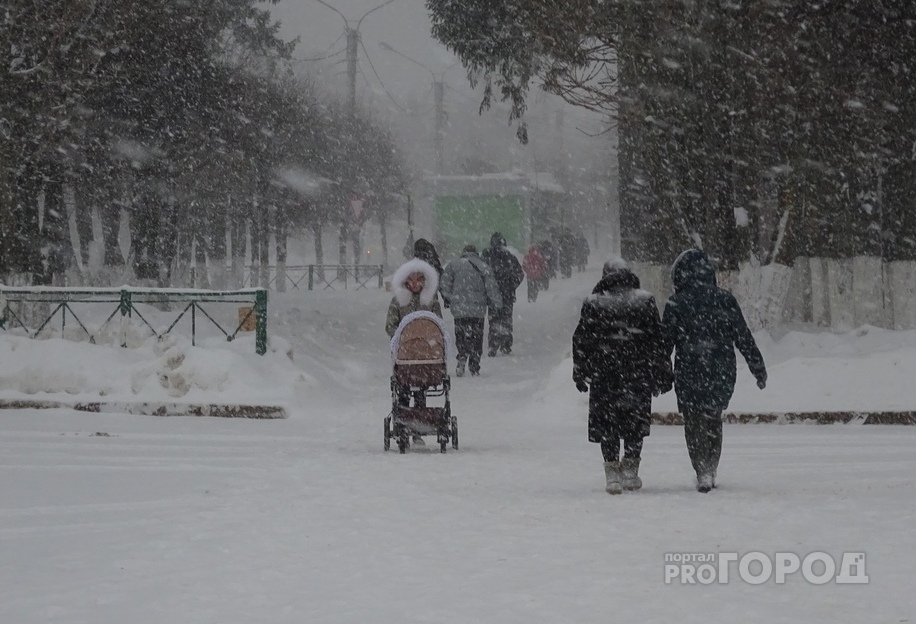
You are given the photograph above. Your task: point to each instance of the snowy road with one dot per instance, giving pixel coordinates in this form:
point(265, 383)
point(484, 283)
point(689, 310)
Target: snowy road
point(307, 520)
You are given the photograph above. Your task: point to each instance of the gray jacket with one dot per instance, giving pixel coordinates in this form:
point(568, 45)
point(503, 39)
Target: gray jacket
point(468, 285)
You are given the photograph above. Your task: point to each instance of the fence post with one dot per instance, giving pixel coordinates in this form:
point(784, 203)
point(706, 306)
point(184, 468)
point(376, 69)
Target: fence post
point(311, 276)
point(260, 333)
point(125, 306)
point(381, 269)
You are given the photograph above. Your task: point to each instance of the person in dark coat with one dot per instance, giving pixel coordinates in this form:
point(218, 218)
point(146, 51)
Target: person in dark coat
point(582, 252)
point(549, 251)
point(426, 251)
point(566, 252)
point(619, 359)
point(703, 325)
point(508, 273)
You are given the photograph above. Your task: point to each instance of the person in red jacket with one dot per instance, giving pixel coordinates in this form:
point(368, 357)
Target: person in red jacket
point(535, 267)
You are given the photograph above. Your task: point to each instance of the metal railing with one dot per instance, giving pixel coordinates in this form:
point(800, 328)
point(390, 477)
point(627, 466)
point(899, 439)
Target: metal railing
point(319, 276)
point(127, 299)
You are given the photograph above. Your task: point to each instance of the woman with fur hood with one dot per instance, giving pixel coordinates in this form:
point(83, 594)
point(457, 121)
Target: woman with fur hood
point(415, 284)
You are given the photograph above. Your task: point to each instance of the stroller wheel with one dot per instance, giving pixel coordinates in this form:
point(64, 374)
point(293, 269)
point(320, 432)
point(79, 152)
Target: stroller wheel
point(387, 432)
point(403, 440)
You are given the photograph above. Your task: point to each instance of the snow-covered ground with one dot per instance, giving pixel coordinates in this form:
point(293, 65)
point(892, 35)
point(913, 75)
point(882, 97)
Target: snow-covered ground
point(118, 518)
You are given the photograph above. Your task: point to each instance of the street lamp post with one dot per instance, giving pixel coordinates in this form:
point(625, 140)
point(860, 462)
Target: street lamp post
point(353, 48)
point(438, 101)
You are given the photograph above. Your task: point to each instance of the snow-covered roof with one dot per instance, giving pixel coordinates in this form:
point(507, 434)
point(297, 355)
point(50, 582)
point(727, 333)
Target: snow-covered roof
point(509, 183)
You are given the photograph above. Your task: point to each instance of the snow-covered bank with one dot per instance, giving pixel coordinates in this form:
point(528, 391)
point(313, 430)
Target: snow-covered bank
point(165, 371)
point(867, 370)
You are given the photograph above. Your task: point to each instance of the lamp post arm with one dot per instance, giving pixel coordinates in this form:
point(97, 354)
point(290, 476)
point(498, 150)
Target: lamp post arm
point(344, 17)
point(373, 10)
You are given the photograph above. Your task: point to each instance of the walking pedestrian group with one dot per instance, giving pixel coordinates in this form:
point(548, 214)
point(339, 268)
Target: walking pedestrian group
point(621, 346)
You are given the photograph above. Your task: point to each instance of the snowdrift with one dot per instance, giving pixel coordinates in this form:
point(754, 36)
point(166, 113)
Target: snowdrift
point(863, 376)
point(165, 376)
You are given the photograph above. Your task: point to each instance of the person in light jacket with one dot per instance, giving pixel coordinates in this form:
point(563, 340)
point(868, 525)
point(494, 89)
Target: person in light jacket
point(470, 289)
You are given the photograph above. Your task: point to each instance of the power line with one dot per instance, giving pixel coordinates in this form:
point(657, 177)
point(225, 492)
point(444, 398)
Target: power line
point(319, 58)
point(385, 89)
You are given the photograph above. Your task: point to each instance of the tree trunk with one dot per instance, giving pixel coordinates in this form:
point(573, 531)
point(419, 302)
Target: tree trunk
point(214, 235)
point(264, 244)
point(281, 234)
point(319, 249)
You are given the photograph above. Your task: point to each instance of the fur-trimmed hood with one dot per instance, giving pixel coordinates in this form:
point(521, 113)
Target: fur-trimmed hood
point(399, 282)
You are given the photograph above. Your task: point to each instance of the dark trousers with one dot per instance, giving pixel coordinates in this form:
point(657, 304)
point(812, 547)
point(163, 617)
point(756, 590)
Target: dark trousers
point(534, 285)
point(500, 333)
point(703, 430)
point(632, 448)
point(469, 341)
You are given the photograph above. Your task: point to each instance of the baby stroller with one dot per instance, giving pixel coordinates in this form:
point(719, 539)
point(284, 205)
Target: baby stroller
point(419, 350)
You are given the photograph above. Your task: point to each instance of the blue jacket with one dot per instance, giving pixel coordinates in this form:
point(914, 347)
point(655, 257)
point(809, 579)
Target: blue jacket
point(703, 324)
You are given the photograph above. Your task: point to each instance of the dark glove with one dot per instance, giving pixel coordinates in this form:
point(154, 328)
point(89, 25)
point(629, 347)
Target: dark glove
point(664, 380)
point(762, 381)
point(581, 386)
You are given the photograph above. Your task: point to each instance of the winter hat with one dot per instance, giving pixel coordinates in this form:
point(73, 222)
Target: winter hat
point(423, 247)
point(615, 264)
point(497, 240)
point(469, 249)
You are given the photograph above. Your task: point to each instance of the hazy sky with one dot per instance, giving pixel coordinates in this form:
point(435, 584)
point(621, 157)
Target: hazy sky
point(405, 26)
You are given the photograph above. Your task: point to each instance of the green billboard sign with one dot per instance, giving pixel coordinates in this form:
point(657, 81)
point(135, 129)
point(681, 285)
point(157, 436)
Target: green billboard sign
point(462, 220)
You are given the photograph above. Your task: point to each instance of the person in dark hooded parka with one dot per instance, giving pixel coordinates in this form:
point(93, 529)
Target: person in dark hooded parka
point(619, 359)
point(508, 273)
point(426, 251)
point(703, 325)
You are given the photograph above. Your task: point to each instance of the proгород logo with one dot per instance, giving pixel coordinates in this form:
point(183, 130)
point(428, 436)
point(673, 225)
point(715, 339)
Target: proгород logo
point(756, 568)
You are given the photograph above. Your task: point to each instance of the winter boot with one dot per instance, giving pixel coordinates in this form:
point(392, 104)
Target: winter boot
point(612, 473)
point(704, 482)
point(459, 371)
point(629, 469)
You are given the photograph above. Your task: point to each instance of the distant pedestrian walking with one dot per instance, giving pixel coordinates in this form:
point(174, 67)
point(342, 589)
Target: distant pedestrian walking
point(535, 268)
point(548, 249)
point(582, 252)
point(508, 273)
point(566, 252)
point(703, 325)
point(468, 285)
point(619, 359)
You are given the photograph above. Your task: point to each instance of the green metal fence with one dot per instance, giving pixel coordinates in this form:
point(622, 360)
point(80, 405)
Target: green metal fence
point(127, 300)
